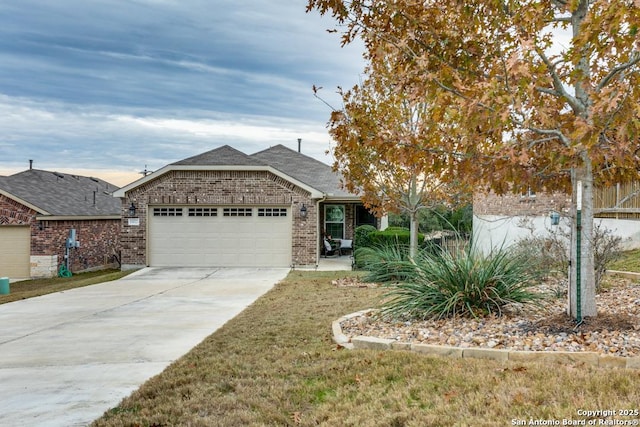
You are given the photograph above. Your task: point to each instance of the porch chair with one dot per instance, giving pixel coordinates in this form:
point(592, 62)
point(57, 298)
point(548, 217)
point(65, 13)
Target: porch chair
point(329, 249)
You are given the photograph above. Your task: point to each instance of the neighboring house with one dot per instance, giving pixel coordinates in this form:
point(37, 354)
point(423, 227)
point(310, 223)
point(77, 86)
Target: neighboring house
point(226, 208)
point(38, 210)
point(500, 221)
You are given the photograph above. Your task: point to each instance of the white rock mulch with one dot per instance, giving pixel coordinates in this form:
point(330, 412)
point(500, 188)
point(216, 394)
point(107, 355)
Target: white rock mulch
point(614, 331)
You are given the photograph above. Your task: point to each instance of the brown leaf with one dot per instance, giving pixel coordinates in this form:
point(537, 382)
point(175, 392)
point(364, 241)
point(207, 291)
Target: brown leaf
point(450, 395)
point(296, 417)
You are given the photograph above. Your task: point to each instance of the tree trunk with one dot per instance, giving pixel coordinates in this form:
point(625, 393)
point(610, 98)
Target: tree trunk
point(582, 303)
point(413, 234)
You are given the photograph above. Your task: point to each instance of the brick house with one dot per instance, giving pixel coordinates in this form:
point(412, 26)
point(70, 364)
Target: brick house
point(38, 210)
point(505, 219)
point(226, 208)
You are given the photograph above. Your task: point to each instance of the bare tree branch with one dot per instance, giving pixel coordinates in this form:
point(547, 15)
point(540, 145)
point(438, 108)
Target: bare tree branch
point(634, 59)
point(575, 104)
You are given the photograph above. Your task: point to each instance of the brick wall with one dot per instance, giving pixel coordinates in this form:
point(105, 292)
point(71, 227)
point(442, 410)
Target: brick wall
point(510, 204)
point(14, 213)
point(98, 238)
point(98, 242)
point(218, 188)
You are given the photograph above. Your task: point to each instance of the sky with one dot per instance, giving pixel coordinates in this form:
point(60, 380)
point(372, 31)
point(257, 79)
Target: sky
point(106, 88)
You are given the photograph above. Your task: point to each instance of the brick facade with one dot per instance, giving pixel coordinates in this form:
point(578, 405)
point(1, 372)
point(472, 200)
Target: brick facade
point(509, 204)
point(14, 213)
point(98, 242)
point(219, 187)
point(98, 238)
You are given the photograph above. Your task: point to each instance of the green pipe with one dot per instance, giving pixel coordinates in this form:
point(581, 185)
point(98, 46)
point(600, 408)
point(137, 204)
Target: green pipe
point(578, 265)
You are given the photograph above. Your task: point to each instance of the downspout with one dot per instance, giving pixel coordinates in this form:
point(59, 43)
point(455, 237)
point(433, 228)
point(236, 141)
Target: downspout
point(318, 230)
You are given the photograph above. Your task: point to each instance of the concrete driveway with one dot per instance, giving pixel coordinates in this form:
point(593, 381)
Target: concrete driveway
point(65, 358)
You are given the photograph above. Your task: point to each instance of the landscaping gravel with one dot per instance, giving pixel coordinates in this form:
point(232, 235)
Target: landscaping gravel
point(614, 331)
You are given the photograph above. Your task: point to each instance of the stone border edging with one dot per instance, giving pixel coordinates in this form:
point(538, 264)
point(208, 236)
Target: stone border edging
point(626, 274)
point(373, 343)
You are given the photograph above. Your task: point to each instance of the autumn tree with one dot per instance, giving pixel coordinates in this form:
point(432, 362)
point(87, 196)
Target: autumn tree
point(544, 93)
point(381, 150)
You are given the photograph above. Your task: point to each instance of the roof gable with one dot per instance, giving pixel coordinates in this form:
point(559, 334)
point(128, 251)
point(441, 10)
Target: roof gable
point(314, 176)
point(60, 194)
point(221, 156)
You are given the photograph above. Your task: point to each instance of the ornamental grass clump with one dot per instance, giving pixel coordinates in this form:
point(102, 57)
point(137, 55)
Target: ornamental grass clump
point(438, 284)
point(385, 263)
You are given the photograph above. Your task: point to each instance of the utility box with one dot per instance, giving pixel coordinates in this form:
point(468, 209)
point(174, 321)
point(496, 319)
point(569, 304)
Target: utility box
point(4, 286)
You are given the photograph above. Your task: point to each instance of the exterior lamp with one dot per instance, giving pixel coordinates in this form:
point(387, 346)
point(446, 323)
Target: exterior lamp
point(555, 218)
point(303, 211)
point(132, 209)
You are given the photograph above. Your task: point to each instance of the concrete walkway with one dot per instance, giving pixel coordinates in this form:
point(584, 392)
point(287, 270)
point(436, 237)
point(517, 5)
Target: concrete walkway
point(67, 357)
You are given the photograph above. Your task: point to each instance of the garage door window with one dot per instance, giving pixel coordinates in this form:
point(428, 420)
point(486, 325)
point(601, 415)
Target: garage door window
point(203, 212)
point(272, 211)
point(237, 212)
point(167, 211)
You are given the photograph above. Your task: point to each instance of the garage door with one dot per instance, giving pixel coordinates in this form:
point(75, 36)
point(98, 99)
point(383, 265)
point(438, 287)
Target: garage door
point(219, 236)
point(15, 249)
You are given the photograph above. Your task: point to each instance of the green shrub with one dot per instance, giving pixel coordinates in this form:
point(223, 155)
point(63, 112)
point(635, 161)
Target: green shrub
point(387, 263)
point(439, 285)
point(361, 236)
point(393, 236)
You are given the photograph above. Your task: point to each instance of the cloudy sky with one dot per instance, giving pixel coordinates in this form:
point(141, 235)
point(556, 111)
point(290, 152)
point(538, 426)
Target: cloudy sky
point(105, 87)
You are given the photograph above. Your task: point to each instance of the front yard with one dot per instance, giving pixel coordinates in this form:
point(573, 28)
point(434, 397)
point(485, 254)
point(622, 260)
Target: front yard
point(275, 364)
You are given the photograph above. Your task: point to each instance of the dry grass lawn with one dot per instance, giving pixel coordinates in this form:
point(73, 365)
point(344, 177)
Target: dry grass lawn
point(37, 287)
point(629, 261)
point(276, 365)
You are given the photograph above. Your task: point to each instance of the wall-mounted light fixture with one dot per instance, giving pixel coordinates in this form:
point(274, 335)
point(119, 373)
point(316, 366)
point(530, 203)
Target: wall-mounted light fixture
point(303, 211)
point(132, 210)
point(555, 218)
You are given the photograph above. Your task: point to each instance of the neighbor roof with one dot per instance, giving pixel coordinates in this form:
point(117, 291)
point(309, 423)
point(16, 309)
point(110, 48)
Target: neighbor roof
point(60, 194)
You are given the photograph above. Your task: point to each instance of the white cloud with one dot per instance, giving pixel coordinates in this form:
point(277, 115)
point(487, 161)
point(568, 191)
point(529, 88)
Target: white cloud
point(92, 86)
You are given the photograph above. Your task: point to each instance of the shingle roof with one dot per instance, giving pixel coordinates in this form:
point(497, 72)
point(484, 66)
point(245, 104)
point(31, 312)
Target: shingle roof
point(299, 167)
point(303, 168)
point(61, 194)
point(222, 156)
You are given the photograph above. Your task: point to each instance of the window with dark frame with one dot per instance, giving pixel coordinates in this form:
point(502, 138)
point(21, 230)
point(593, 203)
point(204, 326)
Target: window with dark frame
point(237, 212)
point(272, 211)
point(167, 211)
point(203, 212)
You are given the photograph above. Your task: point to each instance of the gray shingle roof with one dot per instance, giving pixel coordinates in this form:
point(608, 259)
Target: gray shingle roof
point(62, 194)
point(222, 156)
point(303, 168)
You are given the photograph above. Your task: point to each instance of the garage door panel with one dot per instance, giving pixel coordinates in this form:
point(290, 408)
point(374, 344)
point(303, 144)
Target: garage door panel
point(221, 240)
point(15, 251)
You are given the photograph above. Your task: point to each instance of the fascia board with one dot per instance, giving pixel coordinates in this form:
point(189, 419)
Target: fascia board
point(346, 199)
point(23, 202)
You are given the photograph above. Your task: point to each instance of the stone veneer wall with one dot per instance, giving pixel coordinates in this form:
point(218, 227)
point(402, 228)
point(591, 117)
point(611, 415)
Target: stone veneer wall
point(218, 188)
point(44, 265)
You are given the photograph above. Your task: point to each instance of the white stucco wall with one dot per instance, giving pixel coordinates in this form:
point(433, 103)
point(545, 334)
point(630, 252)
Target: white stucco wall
point(492, 232)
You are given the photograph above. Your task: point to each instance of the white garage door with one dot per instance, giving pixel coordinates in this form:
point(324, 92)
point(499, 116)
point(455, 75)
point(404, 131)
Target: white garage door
point(219, 236)
point(15, 249)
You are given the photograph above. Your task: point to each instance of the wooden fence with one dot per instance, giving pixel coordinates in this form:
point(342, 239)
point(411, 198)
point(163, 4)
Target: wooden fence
point(621, 201)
